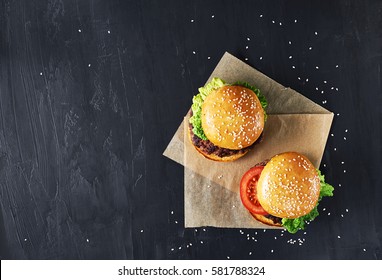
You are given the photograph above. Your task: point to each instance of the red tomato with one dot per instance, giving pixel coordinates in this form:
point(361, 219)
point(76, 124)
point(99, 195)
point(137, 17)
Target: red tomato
point(248, 190)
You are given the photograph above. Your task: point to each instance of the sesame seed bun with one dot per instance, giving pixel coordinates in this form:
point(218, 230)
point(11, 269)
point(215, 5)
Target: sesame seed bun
point(232, 117)
point(288, 186)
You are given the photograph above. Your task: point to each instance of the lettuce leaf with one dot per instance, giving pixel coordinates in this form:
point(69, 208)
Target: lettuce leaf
point(198, 100)
point(293, 225)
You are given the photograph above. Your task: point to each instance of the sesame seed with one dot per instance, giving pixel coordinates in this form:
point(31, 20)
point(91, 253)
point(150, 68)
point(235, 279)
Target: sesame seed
point(192, 20)
point(79, 30)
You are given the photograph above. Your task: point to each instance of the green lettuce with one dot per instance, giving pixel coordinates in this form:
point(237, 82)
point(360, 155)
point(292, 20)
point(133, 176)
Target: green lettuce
point(293, 225)
point(198, 100)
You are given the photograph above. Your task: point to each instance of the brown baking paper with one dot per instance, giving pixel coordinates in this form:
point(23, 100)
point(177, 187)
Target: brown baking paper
point(294, 123)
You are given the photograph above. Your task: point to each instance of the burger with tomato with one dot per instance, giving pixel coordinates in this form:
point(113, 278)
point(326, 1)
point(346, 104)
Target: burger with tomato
point(227, 120)
point(284, 191)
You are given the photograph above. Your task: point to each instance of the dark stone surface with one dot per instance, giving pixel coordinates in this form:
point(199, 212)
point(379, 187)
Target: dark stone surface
point(92, 91)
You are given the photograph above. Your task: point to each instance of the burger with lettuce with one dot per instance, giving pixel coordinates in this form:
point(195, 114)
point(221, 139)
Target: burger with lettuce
point(284, 191)
point(227, 120)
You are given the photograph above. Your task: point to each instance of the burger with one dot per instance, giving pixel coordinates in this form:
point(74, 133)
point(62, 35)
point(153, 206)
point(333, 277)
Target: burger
point(226, 120)
point(284, 191)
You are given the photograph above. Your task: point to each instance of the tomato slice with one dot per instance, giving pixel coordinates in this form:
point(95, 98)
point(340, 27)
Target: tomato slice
point(248, 190)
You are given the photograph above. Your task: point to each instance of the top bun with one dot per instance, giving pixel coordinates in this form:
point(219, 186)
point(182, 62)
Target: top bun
point(232, 117)
point(288, 186)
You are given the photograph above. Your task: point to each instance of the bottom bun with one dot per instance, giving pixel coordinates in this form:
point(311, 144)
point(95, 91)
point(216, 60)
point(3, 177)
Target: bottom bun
point(217, 158)
point(267, 220)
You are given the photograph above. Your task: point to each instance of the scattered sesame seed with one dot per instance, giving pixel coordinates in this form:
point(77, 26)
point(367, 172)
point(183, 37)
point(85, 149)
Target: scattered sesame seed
point(201, 241)
point(261, 15)
point(339, 185)
point(329, 214)
point(346, 130)
point(261, 57)
point(337, 66)
point(335, 149)
point(25, 239)
point(172, 249)
point(315, 33)
point(180, 248)
point(295, 21)
point(246, 47)
point(40, 73)
point(338, 236)
point(325, 82)
point(246, 58)
point(298, 78)
point(108, 31)
point(172, 212)
point(289, 42)
point(227, 257)
point(317, 67)
point(342, 215)
point(364, 249)
point(250, 253)
point(307, 80)
point(290, 57)
point(331, 134)
point(87, 240)
point(176, 222)
point(280, 24)
point(209, 57)
point(342, 162)
point(347, 210)
point(310, 48)
point(79, 30)
point(273, 21)
point(294, 67)
point(89, 65)
point(248, 39)
point(212, 16)
point(192, 20)
point(344, 171)
point(272, 251)
point(141, 230)
point(193, 52)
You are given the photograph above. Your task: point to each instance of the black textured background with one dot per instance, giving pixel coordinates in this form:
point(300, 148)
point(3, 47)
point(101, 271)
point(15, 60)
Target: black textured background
point(92, 91)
